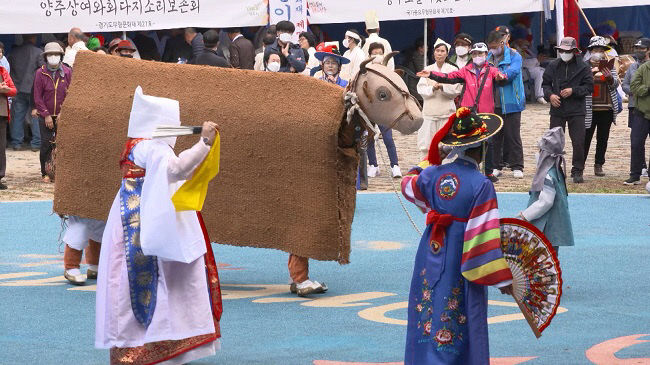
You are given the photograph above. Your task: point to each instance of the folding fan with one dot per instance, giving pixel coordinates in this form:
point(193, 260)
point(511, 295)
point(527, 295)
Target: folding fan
point(537, 277)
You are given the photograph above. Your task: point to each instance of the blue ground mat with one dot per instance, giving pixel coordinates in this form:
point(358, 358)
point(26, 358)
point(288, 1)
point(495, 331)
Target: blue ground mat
point(43, 320)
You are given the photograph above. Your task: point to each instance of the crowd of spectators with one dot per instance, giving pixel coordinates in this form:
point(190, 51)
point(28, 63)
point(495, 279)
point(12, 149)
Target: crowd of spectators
point(499, 75)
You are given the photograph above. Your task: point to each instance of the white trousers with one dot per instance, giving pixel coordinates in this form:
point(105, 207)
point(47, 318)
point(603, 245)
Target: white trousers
point(429, 128)
point(537, 73)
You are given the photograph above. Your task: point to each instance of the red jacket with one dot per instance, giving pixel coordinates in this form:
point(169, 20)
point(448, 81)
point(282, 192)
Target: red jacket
point(7, 79)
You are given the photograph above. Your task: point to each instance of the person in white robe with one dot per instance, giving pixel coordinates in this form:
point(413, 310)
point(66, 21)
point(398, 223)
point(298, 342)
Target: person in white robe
point(153, 301)
point(356, 55)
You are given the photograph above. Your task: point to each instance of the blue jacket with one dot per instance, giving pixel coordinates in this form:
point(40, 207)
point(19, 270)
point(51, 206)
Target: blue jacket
point(511, 93)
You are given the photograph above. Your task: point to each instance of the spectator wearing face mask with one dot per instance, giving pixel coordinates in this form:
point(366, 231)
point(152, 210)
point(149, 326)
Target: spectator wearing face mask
point(479, 78)
point(210, 55)
point(602, 106)
point(567, 82)
point(291, 55)
point(510, 101)
point(462, 43)
point(51, 84)
point(372, 29)
point(639, 129)
point(354, 43)
point(438, 99)
point(272, 62)
point(125, 49)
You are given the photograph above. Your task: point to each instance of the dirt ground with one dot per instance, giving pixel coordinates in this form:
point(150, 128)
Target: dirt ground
point(24, 179)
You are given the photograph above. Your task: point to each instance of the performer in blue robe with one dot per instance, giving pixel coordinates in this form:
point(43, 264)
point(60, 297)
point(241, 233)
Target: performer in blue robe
point(460, 250)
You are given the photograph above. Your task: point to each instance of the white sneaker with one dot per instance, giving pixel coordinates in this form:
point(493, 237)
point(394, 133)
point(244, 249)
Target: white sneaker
point(396, 171)
point(542, 100)
point(497, 172)
point(644, 172)
point(74, 276)
point(518, 174)
point(373, 171)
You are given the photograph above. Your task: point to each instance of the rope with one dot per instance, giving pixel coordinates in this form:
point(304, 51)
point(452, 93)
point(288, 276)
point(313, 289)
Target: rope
point(392, 182)
point(352, 106)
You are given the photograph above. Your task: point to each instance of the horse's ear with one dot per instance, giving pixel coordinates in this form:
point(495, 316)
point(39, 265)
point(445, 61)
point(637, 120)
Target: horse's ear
point(400, 72)
point(362, 66)
point(388, 57)
point(366, 92)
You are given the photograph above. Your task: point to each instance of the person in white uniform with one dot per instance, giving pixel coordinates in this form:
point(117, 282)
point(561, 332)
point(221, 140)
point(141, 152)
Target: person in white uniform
point(154, 304)
point(354, 43)
point(372, 28)
point(438, 99)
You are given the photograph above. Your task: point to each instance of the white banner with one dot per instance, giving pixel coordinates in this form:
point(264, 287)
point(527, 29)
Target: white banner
point(586, 4)
point(58, 16)
point(346, 11)
point(294, 11)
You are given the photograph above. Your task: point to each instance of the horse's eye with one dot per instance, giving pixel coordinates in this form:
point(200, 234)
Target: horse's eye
point(383, 94)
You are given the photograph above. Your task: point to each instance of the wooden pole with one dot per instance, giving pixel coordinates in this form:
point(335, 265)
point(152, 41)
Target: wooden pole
point(426, 43)
point(585, 17)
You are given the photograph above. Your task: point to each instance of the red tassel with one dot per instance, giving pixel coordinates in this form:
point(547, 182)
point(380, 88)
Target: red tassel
point(434, 154)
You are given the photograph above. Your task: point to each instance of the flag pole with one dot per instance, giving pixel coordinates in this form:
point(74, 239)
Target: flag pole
point(585, 18)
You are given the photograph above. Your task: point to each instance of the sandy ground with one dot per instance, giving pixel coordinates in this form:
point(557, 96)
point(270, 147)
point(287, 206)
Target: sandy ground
point(24, 179)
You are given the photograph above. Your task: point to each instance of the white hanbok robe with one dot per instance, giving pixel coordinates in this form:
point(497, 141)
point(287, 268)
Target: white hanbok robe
point(182, 305)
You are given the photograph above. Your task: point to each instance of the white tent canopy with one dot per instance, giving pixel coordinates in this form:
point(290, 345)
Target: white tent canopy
point(55, 16)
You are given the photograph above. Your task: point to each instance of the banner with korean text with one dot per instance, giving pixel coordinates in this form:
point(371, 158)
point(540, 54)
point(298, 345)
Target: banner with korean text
point(294, 11)
point(58, 16)
point(345, 11)
point(586, 4)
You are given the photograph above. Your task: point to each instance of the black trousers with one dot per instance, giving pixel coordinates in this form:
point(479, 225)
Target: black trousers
point(47, 142)
point(3, 145)
point(640, 130)
point(576, 126)
point(507, 146)
point(601, 124)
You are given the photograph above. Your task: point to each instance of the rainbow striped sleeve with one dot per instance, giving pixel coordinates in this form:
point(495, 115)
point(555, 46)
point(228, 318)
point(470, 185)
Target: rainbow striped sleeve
point(411, 191)
point(482, 261)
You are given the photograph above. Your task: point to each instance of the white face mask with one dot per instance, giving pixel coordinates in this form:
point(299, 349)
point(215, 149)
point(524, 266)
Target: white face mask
point(346, 43)
point(53, 60)
point(273, 66)
point(285, 38)
point(566, 57)
point(461, 51)
point(479, 60)
point(597, 56)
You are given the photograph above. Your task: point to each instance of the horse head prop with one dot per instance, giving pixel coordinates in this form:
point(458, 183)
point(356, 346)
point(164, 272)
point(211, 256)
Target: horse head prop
point(384, 97)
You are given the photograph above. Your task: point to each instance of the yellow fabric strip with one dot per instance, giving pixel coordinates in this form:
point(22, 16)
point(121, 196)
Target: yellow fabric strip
point(191, 195)
point(481, 238)
point(485, 270)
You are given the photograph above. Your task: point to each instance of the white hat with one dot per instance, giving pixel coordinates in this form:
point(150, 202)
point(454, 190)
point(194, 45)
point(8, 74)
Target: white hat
point(148, 112)
point(372, 22)
point(480, 47)
point(439, 42)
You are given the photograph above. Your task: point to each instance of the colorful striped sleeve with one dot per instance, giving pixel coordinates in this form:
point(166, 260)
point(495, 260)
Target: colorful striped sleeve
point(482, 261)
point(410, 188)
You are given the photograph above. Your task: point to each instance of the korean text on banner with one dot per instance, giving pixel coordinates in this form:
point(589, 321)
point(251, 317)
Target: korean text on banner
point(346, 11)
point(58, 16)
point(294, 11)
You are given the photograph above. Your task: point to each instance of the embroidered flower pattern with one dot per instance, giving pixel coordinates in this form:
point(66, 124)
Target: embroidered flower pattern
point(452, 304)
point(427, 328)
point(462, 319)
point(444, 337)
point(445, 317)
point(418, 308)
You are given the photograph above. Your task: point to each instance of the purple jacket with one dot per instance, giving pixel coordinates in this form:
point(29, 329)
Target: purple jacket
point(50, 89)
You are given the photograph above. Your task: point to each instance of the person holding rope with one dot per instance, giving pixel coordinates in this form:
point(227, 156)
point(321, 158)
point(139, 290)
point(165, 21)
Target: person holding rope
point(460, 251)
point(479, 78)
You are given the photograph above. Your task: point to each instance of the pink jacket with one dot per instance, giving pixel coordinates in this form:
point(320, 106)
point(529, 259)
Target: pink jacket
point(467, 76)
